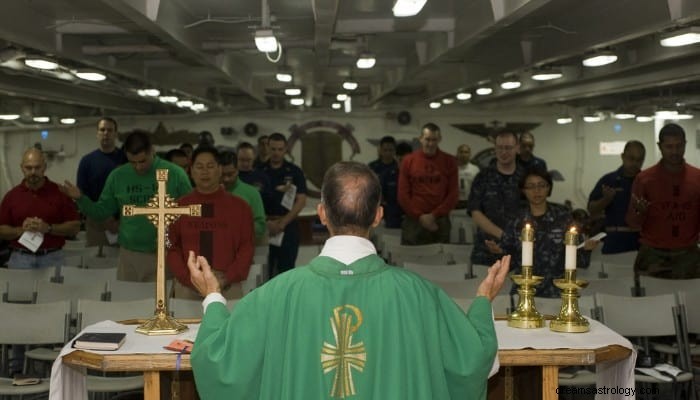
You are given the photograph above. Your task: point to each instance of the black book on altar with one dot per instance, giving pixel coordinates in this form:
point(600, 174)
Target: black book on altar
point(99, 341)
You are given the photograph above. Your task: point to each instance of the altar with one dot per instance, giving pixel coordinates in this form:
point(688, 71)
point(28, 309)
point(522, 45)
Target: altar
point(609, 352)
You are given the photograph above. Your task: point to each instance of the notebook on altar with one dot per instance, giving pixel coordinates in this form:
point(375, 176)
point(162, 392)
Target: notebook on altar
point(99, 341)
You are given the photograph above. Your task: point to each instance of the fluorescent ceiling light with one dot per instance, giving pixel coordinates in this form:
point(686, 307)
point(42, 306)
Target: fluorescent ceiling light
point(407, 8)
point(168, 99)
point(682, 116)
point(198, 107)
point(564, 120)
point(644, 118)
point(665, 114)
point(67, 121)
point(599, 59)
point(297, 101)
point(349, 85)
point(591, 118)
point(341, 97)
point(292, 91)
point(41, 120)
point(434, 105)
point(265, 40)
point(683, 37)
point(623, 115)
point(448, 100)
point(484, 91)
point(91, 76)
point(511, 84)
point(9, 117)
point(336, 106)
point(40, 63)
point(366, 61)
point(184, 103)
point(547, 75)
point(148, 92)
point(284, 77)
point(463, 96)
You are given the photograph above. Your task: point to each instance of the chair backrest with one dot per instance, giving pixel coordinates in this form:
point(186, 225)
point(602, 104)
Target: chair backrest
point(431, 259)
point(616, 271)
point(48, 292)
point(255, 278)
point(638, 316)
point(182, 308)
point(22, 287)
point(126, 291)
point(586, 305)
point(439, 273)
point(75, 275)
point(387, 239)
point(94, 262)
point(691, 302)
point(92, 311)
point(34, 323)
point(501, 304)
point(626, 258)
point(306, 254)
point(461, 227)
point(408, 251)
point(460, 290)
point(617, 287)
point(656, 286)
point(460, 252)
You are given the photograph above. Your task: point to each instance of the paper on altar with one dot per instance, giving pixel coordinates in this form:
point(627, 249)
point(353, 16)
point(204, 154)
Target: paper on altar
point(31, 240)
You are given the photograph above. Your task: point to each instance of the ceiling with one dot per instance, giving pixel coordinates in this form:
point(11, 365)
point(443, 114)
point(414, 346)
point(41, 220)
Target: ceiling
point(203, 50)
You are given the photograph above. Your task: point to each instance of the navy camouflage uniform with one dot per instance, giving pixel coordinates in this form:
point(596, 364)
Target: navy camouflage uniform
point(549, 252)
point(498, 197)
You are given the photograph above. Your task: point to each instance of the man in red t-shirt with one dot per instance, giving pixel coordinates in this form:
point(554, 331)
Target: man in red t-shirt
point(665, 205)
point(428, 191)
point(37, 206)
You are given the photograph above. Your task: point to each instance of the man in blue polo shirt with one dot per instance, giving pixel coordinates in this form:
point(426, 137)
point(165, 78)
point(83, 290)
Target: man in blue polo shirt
point(611, 196)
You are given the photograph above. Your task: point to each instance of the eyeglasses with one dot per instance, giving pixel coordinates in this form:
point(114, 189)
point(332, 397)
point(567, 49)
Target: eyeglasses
point(539, 186)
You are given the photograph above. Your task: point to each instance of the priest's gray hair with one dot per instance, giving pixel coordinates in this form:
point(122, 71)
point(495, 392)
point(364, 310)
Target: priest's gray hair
point(351, 194)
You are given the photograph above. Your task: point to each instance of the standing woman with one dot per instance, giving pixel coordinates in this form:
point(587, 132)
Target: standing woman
point(550, 222)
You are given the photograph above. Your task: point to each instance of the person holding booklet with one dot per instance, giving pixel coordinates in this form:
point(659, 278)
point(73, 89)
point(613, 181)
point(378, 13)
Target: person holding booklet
point(347, 324)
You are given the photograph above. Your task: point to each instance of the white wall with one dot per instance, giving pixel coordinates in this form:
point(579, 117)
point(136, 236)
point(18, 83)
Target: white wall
point(572, 149)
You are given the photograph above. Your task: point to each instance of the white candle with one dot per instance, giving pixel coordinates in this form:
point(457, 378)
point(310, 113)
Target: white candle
point(570, 239)
point(527, 237)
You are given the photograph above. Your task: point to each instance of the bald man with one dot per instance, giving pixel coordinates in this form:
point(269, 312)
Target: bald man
point(37, 207)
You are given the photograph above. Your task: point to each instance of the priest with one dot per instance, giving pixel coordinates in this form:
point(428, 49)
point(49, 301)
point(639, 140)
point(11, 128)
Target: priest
point(347, 324)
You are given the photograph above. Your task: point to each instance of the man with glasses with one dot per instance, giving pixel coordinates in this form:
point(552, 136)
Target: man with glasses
point(495, 197)
point(665, 205)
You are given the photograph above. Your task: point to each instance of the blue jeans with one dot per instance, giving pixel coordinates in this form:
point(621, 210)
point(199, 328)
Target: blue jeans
point(20, 260)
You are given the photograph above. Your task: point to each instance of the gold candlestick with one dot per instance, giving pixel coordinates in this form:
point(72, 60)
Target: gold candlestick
point(526, 315)
point(569, 318)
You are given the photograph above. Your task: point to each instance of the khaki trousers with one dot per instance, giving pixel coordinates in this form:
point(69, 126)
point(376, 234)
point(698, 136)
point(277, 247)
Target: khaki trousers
point(234, 291)
point(135, 266)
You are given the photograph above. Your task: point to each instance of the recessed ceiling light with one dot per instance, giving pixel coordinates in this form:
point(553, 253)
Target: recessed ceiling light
point(9, 117)
point(463, 96)
point(284, 77)
point(682, 37)
point(292, 91)
point(91, 76)
point(547, 75)
point(336, 106)
point(591, 118)
point(564, 120)
point(644, 118)
point(448, 100)
point(148, 92)
point(67, 121)
point(407, 8)
point(40, 63)
point(198, 107)
point(341, 97)
point(184, 103)
point(349, 85)
point(366, 61)
point(435, 105)
point(168, 99)
point(41, 120)
point(265, 40)
point(623, 115)
point(297, 101)
point(682, 115)
point(511, 84)
point(599, 59)
point(484, 91)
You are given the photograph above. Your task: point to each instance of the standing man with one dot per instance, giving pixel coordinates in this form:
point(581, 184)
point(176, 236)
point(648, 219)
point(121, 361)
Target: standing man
point(343, 307)
point(37, 206)
point(665, 205)
point(250, 174)
point(263, 151)
point(134, 183)
point(427, 191)
point(466, 172)
point(234, 185)
point(389, 179)
point(223, 234)
point(287, 199)
point(526, 158)
point(495, 197)
point(93, 170)
point(387, 156)
point(611, 196)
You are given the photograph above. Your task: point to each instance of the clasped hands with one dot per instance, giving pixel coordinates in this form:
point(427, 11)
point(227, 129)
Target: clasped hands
point(35, 224)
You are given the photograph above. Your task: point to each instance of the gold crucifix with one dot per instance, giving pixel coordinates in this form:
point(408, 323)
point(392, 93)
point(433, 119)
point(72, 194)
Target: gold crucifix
point(344, 355)
point(161, 210)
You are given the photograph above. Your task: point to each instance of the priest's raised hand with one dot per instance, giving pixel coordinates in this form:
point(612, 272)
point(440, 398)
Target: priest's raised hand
point(493, 282)
point(201, 276)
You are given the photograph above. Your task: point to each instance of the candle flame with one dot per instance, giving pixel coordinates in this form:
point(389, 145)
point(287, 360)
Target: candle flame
point(573, 229)
point(527, 226)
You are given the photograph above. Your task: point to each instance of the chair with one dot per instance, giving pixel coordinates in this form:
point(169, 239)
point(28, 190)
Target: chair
point(395, 251)
point(8, 389)
point(389, 238)
point(22, 285)
point(439, 273)
point(126, 291)
point(655, 286)
point(462, 289)
point(617, 287)
point(306, 254)
point(33, 324)
point(460, 252)
point(95, 262)
point(254, 280)
point(626, 258)
point(182, 308)
point(616, 271)
point(75, 275)
point(643, 317)
point(462, 228)
point(262, 250)
point(431, 259)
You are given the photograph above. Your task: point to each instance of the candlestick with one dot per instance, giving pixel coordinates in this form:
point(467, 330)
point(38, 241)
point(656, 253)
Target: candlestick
point(527, 235)
point(570, 240)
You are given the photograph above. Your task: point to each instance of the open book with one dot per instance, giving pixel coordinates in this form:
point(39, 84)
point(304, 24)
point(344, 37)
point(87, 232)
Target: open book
point(99, 341)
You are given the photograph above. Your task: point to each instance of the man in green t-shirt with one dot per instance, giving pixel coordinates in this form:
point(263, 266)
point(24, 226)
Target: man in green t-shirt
point(230, 180)
point(133, 183)
point(347, 324)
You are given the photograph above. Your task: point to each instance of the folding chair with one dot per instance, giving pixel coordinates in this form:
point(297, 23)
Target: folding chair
point(461, 253)
point(439, 273)
point(22, 285)
point(76, 275)
point(183, 308)
point(430, 259)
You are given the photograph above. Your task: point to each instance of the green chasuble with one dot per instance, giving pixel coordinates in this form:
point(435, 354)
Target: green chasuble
point(360, 331)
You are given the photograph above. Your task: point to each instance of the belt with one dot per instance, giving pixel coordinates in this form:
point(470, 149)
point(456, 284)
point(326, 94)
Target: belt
point(620, 229)
point(39, 252)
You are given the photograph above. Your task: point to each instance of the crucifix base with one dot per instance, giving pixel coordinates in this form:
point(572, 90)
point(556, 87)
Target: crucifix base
point(161, 324)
